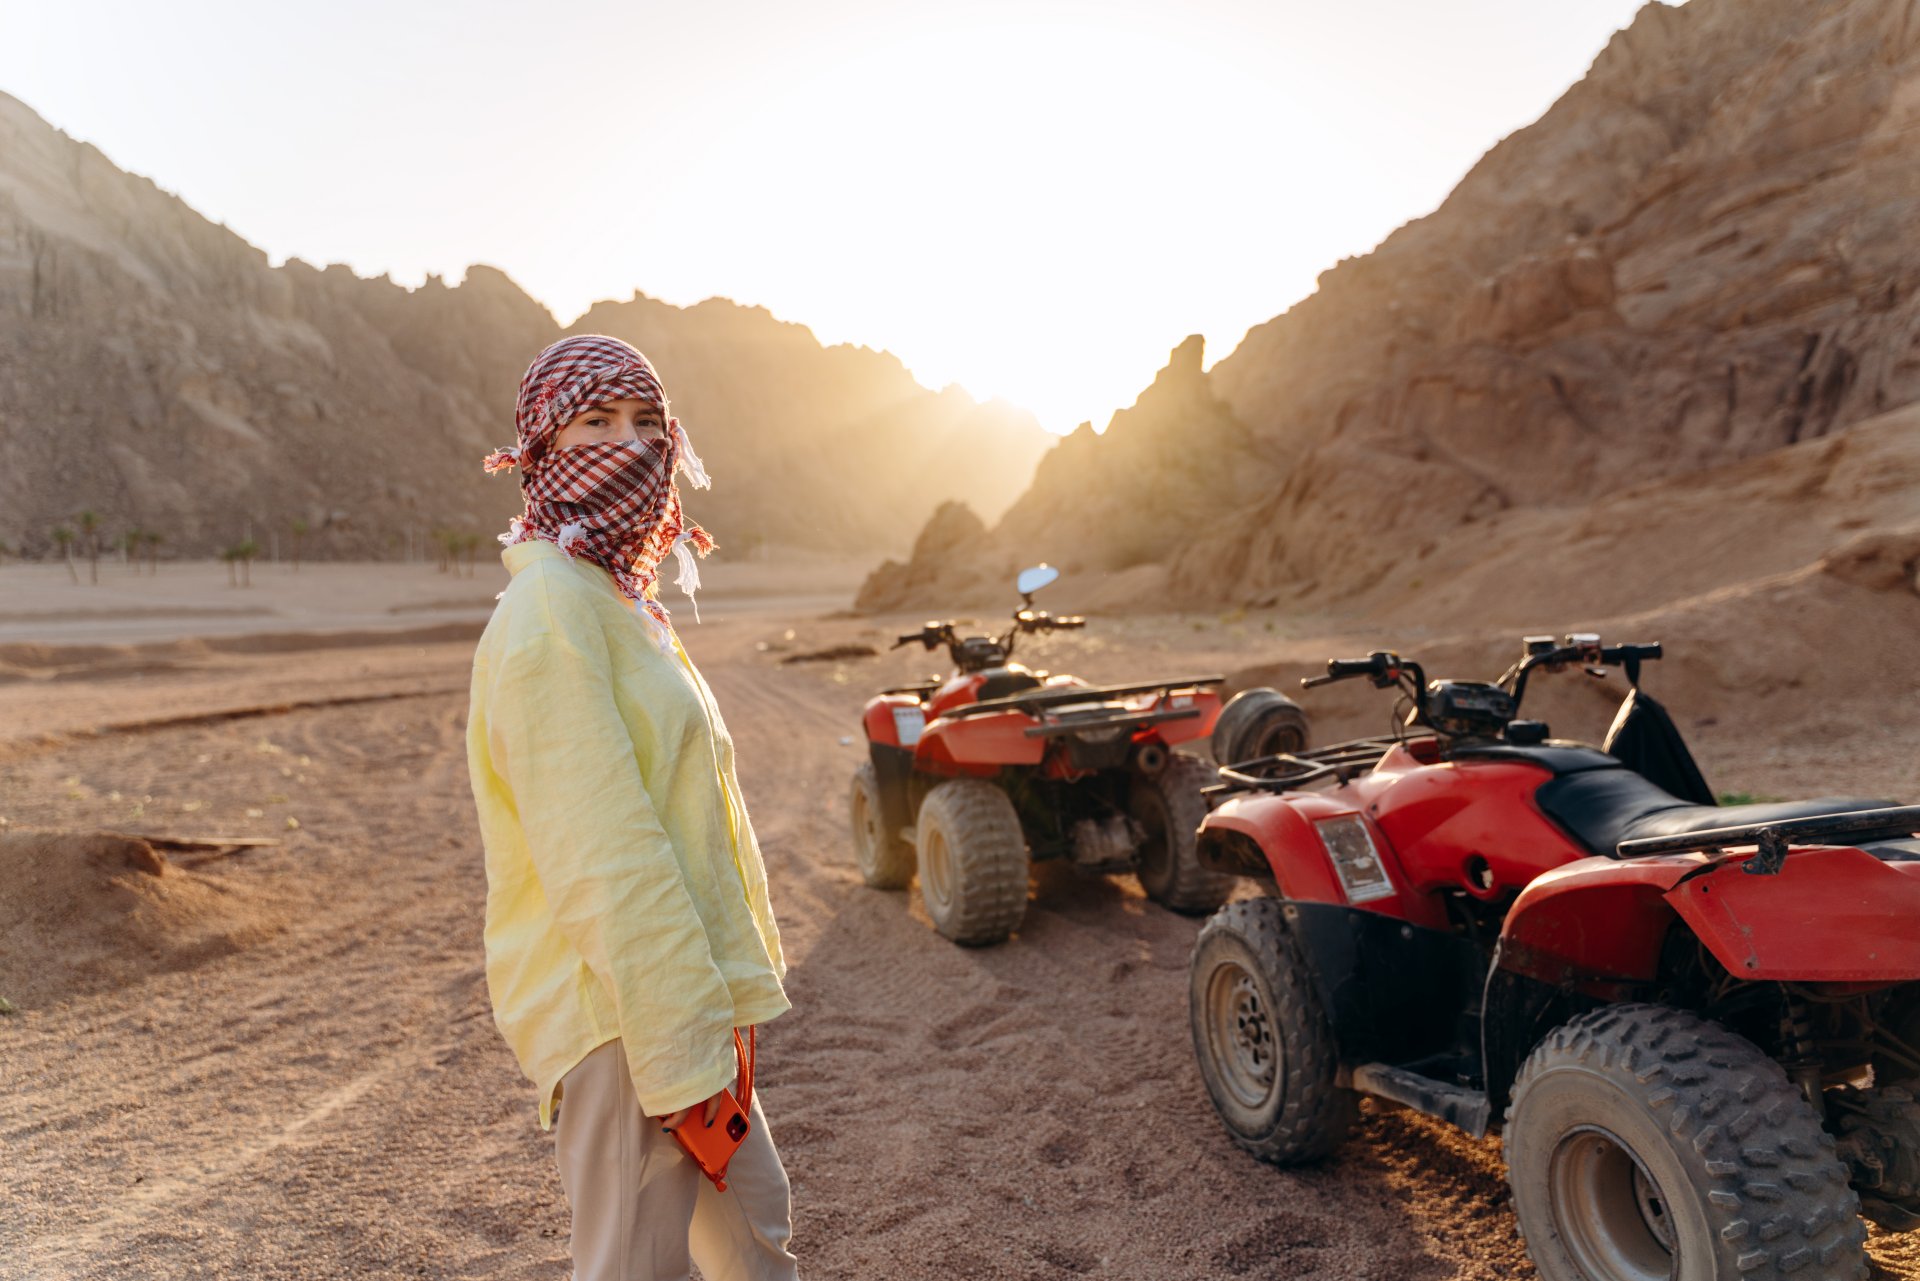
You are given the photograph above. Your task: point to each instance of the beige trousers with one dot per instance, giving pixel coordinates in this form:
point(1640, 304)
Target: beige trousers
point(642, 1211)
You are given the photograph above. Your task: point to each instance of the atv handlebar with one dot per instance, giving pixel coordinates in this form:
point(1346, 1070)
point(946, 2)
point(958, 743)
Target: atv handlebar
point(1024, 621)
point(1382, 666)
point(1388, 670)
point(1585, 650)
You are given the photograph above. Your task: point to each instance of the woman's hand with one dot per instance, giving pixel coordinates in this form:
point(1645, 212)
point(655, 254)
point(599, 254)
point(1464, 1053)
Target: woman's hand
point(674, 1120)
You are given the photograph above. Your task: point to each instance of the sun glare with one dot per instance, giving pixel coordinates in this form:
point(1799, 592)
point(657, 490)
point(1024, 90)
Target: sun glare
point(1035, 199)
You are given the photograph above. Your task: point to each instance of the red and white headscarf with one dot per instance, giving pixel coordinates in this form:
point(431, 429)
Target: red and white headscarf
point(614, 503)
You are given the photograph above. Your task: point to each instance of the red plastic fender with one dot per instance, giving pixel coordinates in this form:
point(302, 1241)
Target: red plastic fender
point(883, 724)
point(1833, 914)
point(1207, 701)
point(1594, 919)
point(1282, 827)
point(996, 739)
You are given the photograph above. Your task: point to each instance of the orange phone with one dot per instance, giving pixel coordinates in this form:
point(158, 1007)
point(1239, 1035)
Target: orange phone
point(712, 1144)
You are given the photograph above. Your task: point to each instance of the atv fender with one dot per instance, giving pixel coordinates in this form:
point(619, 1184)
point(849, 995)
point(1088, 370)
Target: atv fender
point(966, 744)
point(1832, 914)
point(1274, 836)
point(1270, 839)
point(1594, 921)
point(894, 720)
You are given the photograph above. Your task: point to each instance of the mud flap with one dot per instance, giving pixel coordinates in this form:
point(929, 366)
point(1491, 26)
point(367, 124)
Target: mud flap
point(893, 770)
point(1394, 993)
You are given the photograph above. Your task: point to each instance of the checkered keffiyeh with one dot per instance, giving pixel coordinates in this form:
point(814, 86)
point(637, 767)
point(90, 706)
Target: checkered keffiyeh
point(613, 503)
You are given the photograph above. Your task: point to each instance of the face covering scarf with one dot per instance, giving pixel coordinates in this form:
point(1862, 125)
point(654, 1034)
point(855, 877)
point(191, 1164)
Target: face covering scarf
point(614, 503)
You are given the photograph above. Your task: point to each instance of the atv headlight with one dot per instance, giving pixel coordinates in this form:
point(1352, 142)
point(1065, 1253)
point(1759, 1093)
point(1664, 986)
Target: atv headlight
point(1355, 859)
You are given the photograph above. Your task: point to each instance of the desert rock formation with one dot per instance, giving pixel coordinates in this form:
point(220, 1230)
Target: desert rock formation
point(1699, 255)
point(154, 368)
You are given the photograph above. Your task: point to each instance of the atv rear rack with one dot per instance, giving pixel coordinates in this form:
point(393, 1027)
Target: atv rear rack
point(1059, 726)
point(1289, 770)
point(1773, 839)
point(1034, 702)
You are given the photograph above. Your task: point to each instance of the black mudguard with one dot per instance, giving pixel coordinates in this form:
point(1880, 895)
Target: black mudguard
point(893, 770)
point(1394, 992)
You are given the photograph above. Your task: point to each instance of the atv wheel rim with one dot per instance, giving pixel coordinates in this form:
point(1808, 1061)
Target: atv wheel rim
point(866, 827)
point(1279, 739)
point(1610, 1213)
point(936, 874)
point(1240, 1035)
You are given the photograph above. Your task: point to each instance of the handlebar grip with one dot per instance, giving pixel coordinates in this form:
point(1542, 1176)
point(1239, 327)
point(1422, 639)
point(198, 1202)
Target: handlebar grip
point(908, 640)
point(1623, 653)
point(1339, 667)
point(1070, 622)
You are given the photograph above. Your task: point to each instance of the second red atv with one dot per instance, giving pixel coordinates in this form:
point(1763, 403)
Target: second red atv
point(1697, 1026)
point(972, 775)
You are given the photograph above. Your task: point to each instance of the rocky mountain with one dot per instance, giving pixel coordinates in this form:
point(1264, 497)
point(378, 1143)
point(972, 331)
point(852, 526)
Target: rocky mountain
point(156, 370)
point(1700, 254)
point(822, 448)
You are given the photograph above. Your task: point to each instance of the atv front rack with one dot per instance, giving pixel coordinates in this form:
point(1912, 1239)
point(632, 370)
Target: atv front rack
point(1774, 839)
point(1036, 701)
point(1289, 770)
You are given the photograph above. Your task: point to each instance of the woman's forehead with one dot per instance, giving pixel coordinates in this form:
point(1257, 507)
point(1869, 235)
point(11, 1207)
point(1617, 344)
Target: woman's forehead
point(625, 405)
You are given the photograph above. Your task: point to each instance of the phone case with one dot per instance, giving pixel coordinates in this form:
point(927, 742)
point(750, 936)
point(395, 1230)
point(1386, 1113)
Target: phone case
point(712, 1146)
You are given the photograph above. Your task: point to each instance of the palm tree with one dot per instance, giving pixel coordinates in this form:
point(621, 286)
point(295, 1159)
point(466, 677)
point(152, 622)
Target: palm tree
point(89, 523)
point(63, 539)
point(300, 530)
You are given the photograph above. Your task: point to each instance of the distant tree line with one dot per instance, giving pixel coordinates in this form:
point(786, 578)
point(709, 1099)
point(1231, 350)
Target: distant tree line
point(84, 539)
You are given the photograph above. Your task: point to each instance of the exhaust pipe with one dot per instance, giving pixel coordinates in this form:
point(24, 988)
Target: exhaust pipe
point(1150, 758)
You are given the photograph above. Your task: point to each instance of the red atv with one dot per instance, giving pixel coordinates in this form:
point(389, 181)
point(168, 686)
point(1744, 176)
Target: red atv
point(1698, 1026)
point(973, 774)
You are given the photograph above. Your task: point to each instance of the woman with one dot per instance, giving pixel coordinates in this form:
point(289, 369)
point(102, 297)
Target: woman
point(628, 932)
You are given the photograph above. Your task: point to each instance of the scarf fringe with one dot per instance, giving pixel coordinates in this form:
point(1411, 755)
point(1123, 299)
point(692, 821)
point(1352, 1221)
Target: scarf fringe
point(501, 459)
point(688, 577)
point(689, 461)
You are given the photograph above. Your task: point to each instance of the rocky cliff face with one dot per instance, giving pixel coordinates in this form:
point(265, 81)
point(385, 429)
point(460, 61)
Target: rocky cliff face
point(156, 370)
point(1700, 254)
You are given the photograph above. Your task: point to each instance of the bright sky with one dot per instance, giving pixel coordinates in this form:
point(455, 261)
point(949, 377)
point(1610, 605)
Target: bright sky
point(1033, 198)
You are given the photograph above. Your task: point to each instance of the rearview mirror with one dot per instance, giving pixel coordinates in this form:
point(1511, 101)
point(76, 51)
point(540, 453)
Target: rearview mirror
point(1032, 580)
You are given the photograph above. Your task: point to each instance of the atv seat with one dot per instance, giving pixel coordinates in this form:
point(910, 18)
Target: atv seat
point(1601, 808)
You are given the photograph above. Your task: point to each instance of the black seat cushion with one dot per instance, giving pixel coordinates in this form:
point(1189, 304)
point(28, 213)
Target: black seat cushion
point(1003, 681)
point(1557, 756)
point(1601, 808)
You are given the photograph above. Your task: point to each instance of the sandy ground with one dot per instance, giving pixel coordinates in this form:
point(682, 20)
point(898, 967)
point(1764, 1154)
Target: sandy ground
point(40, 602)
point(319, 1092)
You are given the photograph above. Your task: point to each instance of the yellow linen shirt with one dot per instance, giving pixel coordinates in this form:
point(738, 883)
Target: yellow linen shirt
point(626, 896)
